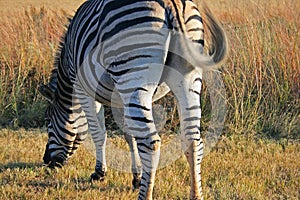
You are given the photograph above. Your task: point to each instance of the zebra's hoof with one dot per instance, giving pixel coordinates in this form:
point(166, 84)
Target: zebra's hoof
point(57, 162)
point(98, 176)
point(136, 183)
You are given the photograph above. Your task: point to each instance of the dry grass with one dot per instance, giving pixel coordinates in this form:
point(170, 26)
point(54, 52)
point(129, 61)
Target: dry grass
point(19, 5)
point(262, 75)
point(240, 168)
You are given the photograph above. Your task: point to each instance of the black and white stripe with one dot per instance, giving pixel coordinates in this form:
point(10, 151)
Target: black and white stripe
point(115, 53)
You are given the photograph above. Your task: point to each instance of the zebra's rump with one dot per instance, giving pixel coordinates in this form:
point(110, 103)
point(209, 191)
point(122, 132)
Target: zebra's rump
point(106, 93)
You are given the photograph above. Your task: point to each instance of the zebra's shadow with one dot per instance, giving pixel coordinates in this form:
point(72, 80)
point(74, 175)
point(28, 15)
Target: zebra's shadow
point(19, 165)
point(46, 178)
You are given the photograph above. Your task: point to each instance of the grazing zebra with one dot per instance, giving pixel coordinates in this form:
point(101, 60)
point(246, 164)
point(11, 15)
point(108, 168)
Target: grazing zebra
point(128, 54)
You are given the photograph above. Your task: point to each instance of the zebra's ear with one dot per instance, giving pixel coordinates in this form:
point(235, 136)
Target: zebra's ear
point(46, 92)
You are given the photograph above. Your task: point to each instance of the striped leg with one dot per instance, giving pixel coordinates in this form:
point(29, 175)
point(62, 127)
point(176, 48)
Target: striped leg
point(94, 113)
point(139, 124)
point(136, 167)
point(187, 92)
point(82, 131)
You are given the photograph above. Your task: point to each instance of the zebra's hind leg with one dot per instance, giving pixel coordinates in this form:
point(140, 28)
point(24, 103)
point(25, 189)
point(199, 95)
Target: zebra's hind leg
point(139, 124)
point(136, 167)
point(149, 150)
point(187, 89)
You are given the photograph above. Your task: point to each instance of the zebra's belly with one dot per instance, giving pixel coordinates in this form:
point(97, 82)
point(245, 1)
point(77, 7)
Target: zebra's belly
point(106, 93)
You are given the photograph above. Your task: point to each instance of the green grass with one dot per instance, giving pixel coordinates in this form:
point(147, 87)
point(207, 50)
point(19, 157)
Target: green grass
point(239, 168)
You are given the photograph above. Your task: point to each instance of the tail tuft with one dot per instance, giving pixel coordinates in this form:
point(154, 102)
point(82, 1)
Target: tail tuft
point(218, 44)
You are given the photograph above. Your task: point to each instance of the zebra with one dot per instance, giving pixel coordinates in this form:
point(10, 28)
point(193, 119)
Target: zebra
point(116, 53)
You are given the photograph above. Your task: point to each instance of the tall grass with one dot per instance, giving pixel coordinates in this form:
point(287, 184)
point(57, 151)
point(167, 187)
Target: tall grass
point(262, 74)
point(28, 44)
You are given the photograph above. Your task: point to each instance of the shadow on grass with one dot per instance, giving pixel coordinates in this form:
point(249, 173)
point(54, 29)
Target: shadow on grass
point(19, 165)
point(84, 183)
point(46, 179)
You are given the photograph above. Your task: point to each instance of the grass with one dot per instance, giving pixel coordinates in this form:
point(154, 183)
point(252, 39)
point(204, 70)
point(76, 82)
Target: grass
point(19, 5)
point(256, 157)
point(262, 73)
point(239, 168)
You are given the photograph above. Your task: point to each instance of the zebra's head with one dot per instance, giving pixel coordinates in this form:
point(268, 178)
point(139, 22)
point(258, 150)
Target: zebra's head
point(49, 94)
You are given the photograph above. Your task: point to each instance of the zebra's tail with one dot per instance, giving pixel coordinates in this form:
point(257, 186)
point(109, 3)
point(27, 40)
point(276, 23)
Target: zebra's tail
point(216, 45)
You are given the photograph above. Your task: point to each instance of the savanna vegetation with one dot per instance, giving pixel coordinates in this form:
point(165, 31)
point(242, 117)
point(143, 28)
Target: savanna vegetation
point(256, 157)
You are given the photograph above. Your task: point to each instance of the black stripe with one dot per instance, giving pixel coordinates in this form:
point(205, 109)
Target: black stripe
point(100, 98)
point(194, 91)
point(194, 139)
point(137, 106)
point(140, 119)
point(198, 79)
point(201, 41)
point(139, 129)
point(192, 127)
point(130, 90)
point(125, 35)
point(63, 106)
point(154, 141)
point(194, 17)
point(87, 41)
point(194, 108)
point(122, 62)
point(146, 136)
point(113, 5)
point(59, 138)
point(59, 113)
point(121, 15)
point(192, 133)
point(189, 119)
point(195, 29)
point(141, 144)
point(142, 151)
point(129, 23)
point(85, 124)
point(129, 48)
point(178, 16)
point(61, 129)
point(195, 8)
point(122, 72)
point(60, 117)
point(103, 86)
point(64, 80)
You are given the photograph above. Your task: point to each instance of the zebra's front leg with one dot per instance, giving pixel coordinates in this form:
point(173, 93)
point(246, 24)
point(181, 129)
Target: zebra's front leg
point(136, 167)
point(94, 113)
point(100, 143)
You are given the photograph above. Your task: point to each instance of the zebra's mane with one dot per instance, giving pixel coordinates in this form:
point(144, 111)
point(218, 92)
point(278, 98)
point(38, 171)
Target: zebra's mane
point(57, 59)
